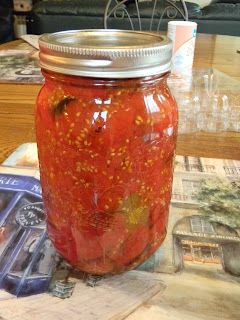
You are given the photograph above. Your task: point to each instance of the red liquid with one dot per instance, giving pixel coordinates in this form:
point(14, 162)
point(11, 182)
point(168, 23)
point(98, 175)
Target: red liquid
point(106, 161)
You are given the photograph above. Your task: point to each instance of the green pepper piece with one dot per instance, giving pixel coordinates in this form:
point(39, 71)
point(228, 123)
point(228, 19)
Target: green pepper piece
point(61, 106)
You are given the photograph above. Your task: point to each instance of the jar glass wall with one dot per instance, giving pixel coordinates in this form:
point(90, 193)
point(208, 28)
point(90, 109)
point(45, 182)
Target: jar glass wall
point(106, 149)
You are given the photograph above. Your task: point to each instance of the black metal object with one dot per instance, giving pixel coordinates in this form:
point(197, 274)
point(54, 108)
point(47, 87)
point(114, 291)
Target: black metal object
point(120, 9)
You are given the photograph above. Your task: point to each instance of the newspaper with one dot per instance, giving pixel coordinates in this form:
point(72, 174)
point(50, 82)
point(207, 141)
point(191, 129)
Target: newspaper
point(20, 66)
point(203, 229)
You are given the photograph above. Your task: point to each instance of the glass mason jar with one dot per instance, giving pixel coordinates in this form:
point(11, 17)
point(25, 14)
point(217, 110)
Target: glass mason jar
point(106, 127)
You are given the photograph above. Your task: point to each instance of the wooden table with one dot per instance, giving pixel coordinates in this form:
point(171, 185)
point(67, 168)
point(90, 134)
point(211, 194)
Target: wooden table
point(220, 52)
point(17, 126)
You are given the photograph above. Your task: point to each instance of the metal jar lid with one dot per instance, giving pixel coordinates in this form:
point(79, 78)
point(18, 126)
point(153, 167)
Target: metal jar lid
point(105, 53)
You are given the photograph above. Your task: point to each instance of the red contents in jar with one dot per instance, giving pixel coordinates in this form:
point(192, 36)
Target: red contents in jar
point(106, 159)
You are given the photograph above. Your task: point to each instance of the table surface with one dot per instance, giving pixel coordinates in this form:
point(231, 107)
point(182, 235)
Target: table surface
point(17, 103)
point(17, 126)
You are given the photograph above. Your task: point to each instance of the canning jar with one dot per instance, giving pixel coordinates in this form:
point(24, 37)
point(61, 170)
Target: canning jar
point(106, 126)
